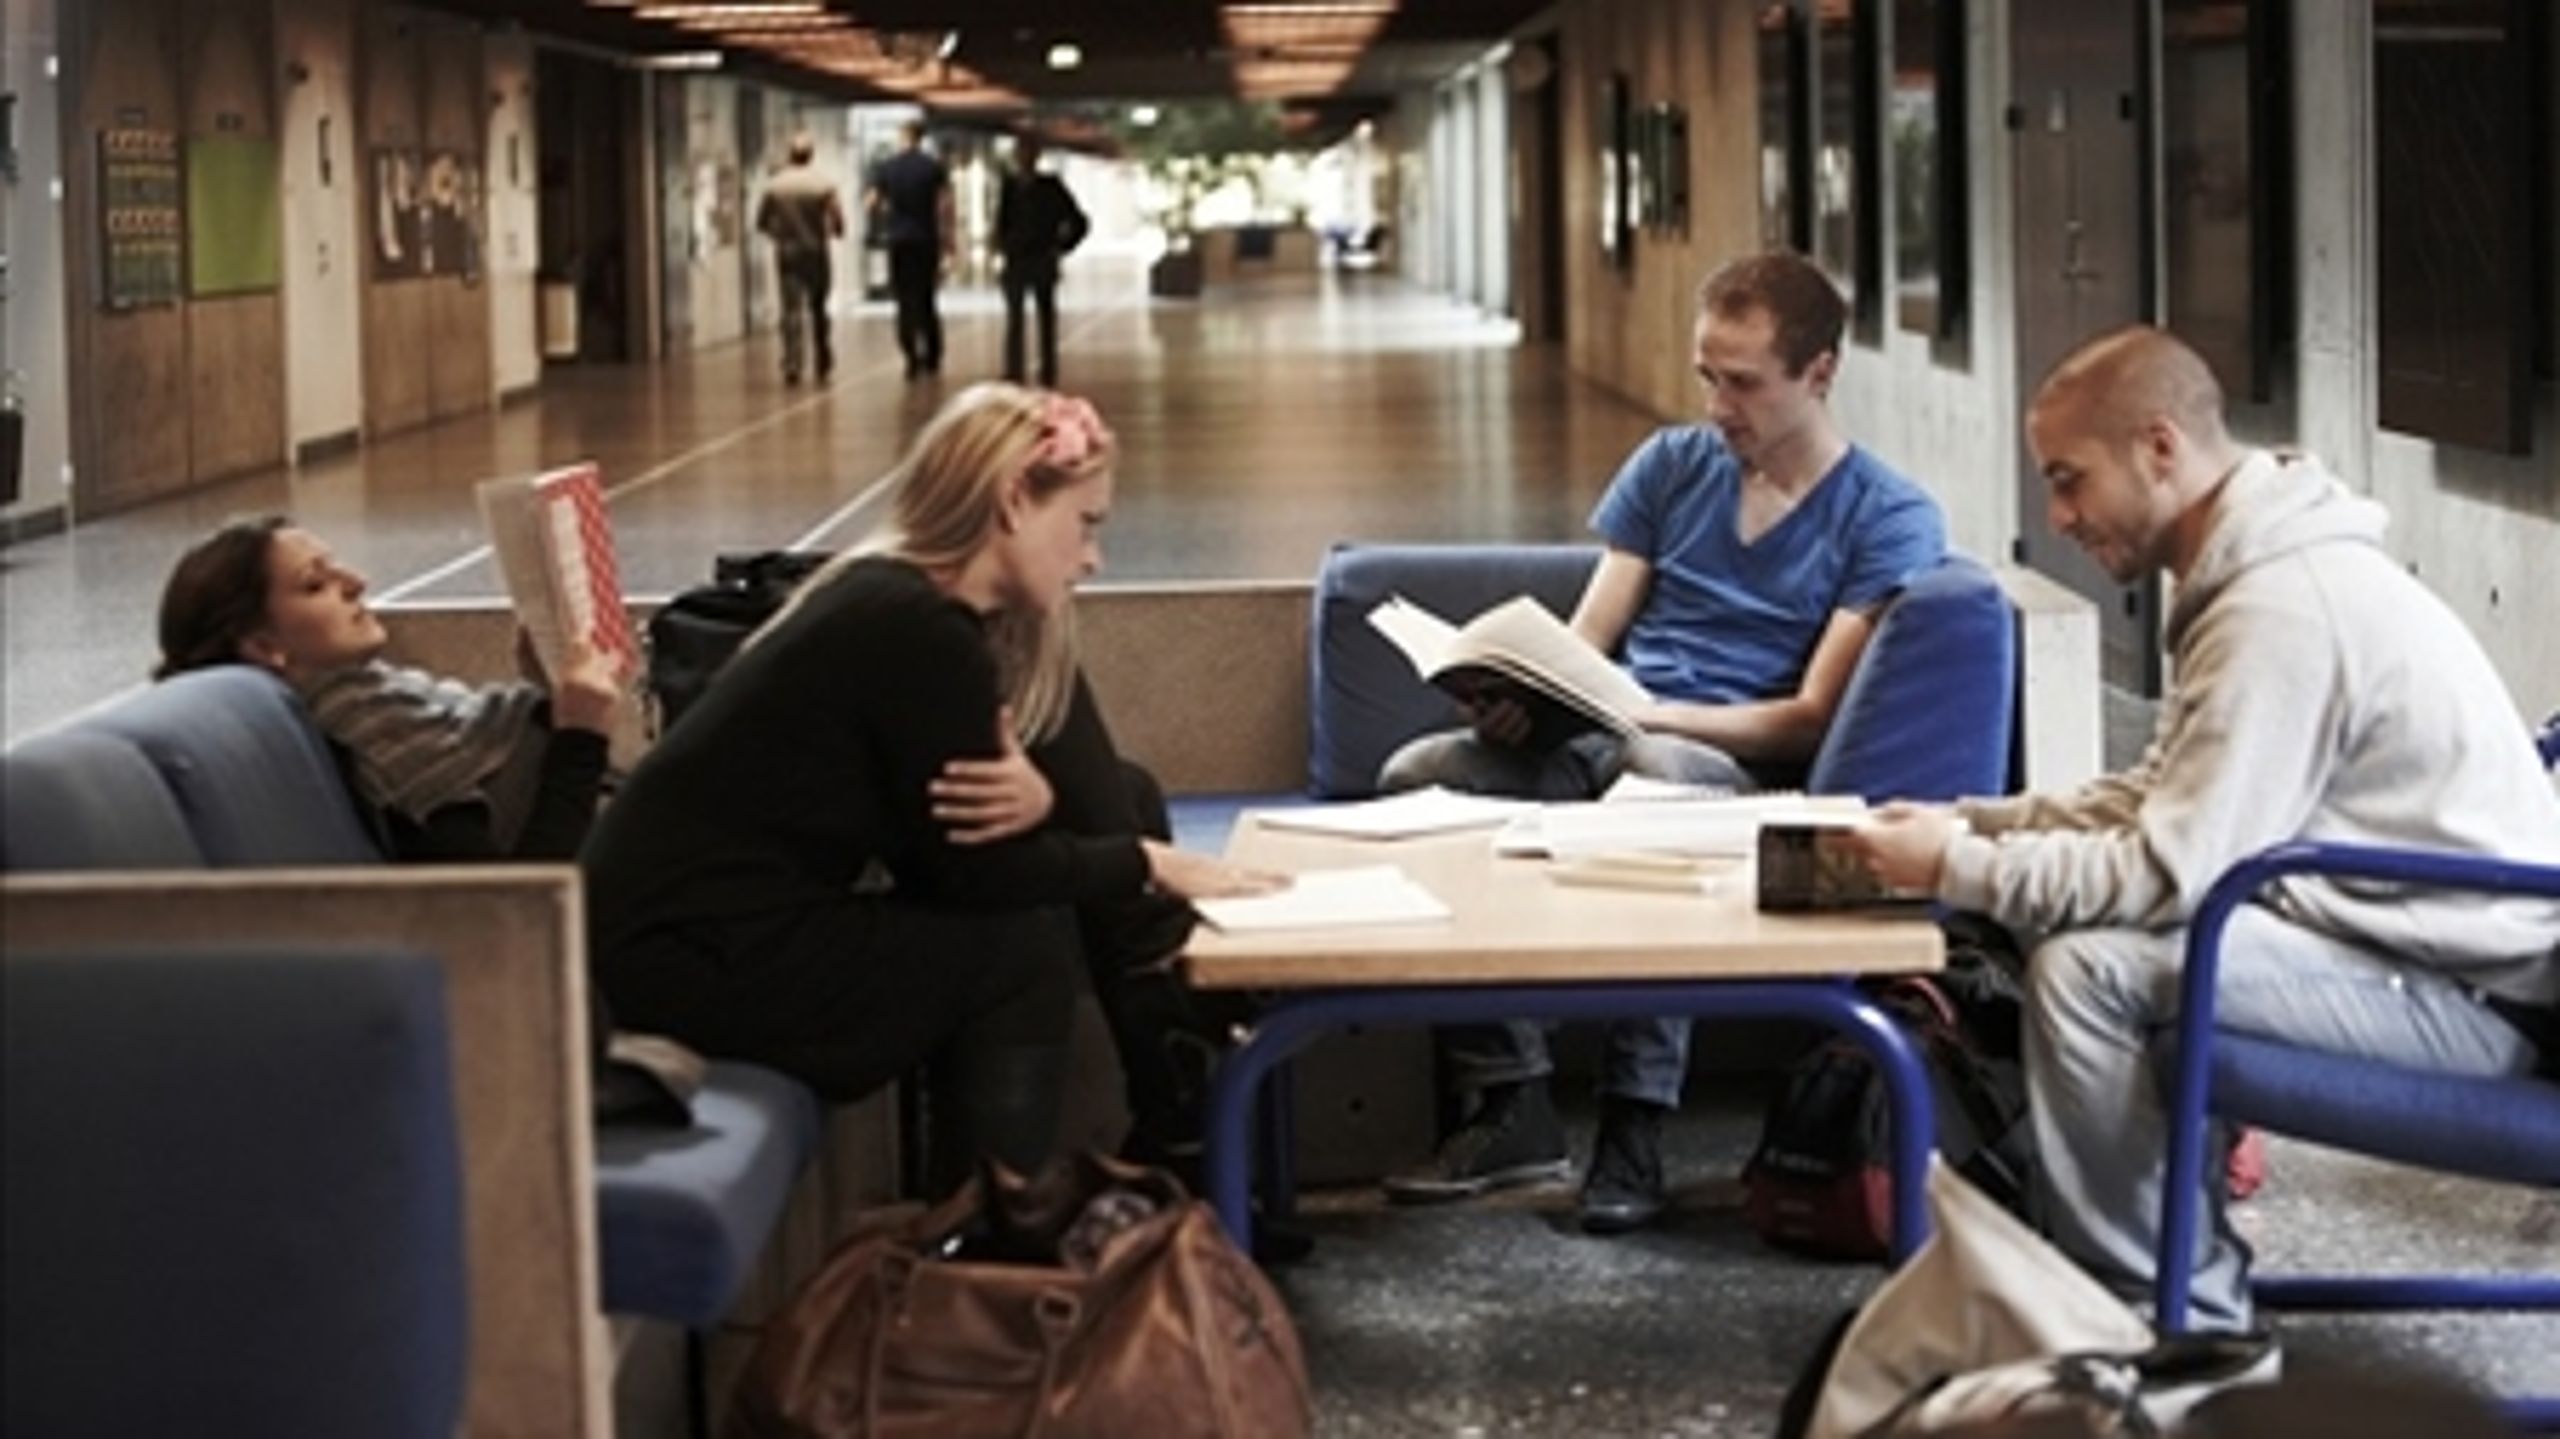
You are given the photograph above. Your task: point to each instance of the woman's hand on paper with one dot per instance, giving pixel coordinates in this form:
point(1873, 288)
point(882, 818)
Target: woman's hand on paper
point(985, 800)
point(588, 690)
point(1186, 875)
point(1905, 844)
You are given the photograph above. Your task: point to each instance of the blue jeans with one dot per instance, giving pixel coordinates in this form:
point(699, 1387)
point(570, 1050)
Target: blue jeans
point(2098, 999)
point(1645, 1059)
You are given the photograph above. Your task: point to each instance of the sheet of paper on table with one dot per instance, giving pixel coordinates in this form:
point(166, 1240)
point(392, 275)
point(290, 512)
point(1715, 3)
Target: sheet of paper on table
point(1330, 899)
point(1398, 816)
point(1727, 826)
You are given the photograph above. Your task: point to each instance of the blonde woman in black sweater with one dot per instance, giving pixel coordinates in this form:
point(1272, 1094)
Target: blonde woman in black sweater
point(896, 824)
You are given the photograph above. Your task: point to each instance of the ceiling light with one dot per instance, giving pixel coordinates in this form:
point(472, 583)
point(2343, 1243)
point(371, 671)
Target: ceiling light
point(1065, 55)
point(776, 9)
point(678, 60)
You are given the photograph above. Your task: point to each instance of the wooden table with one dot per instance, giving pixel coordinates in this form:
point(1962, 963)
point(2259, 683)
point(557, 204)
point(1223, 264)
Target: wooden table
point(1521, 946)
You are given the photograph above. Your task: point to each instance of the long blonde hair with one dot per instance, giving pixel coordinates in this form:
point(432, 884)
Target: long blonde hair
point(946, 493)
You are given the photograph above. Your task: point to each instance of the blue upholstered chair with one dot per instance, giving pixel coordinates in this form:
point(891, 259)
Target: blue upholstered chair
point(2501, 1129)
point(233, 1196)
point(1929, 713)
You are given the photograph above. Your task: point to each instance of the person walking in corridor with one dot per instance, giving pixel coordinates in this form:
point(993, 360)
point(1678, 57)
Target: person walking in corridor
point(1038, 222)
point(910, 199)
point(802, 215)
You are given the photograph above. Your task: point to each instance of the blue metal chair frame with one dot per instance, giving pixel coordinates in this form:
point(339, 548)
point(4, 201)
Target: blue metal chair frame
point(2193, 1067)
point(1294, 1021)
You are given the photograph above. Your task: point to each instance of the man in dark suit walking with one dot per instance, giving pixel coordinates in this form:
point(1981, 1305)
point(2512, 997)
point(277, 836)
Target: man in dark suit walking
point(1037, 222)
point(911, 200)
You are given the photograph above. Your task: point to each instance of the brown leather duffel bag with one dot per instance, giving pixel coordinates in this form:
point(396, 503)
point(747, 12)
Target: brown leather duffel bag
point(1097, 1299)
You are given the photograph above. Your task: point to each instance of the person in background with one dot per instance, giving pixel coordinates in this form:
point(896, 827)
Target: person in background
point(910, 200)
point(1038, 222)
point(1746, 561)
point(802, 215)
point(895, 827)
point(2319, 692)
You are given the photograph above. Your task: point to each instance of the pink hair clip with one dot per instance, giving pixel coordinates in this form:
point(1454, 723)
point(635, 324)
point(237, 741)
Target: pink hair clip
point(1071, 432)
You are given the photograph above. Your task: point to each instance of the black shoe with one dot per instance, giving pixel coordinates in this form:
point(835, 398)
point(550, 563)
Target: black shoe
point(791, 377)
point(1624, 1189)
point(1514, 1138)
point(826, 366)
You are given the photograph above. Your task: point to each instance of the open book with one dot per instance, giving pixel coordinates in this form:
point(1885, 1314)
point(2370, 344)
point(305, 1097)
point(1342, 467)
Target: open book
point(555, 551)
point(1517, 650)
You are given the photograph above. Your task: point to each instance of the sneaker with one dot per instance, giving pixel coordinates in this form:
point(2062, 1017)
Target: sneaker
point(1624, 1189)
point(1514, 1138)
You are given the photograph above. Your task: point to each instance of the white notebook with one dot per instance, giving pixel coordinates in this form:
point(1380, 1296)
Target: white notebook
point(1398, 816)
point(1330, 899)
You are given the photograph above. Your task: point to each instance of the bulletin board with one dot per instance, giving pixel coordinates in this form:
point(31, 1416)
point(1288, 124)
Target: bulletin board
point(235, 221)
point(140, 208)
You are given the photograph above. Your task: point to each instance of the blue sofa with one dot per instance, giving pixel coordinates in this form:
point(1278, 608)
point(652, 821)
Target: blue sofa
point(244, 1214)
point(177, 798)
point(1929, 714)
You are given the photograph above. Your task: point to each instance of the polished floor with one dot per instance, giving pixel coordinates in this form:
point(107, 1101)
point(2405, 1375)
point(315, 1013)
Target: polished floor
point(1259, 425)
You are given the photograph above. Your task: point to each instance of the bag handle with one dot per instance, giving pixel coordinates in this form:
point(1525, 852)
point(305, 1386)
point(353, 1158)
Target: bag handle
point(897, 1271)
point(1056, 1311)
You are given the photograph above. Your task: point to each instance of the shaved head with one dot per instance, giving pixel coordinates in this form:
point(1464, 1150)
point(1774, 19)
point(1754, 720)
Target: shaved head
point(2116, 385)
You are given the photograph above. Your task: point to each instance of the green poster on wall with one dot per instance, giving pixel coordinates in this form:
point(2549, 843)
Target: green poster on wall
point(235, 222)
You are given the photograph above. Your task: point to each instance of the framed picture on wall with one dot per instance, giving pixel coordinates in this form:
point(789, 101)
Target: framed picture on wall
point(398, 214)
point(1786, 150)
point(1617, 125)
point(1664, 193)
point(1846, 197)
point(1925, 137)
point(454, 216)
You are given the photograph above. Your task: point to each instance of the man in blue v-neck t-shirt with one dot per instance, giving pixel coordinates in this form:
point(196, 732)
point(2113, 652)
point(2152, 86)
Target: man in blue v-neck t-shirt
point(1746, 561)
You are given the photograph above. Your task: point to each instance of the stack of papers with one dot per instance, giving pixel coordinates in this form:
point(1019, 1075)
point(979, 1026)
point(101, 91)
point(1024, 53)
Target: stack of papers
point(1706, 827)
point(1401, 816)
point(1328, 899)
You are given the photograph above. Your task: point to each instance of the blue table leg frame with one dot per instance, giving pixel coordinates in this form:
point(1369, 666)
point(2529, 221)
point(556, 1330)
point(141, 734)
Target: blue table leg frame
point(1298, 1018)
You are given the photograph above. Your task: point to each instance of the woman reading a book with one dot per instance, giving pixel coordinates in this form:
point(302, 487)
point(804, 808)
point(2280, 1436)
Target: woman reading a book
point(896, 825)
point(452, 772)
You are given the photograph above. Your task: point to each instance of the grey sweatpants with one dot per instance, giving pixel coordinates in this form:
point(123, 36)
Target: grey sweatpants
point(2097, 1000)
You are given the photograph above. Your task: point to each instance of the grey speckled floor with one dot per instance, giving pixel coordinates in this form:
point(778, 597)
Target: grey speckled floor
point(1503, 1319)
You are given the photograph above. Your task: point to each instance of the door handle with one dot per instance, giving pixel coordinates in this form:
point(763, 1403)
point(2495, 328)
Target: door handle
point(2072, 268)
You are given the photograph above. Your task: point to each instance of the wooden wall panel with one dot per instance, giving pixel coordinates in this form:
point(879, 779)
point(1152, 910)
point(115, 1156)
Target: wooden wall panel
point(235, 343)
point(129, 408)
point(457, 357)
point(396, 337)
point(1630, 329)
point(453, 108)
point(135, 390)
point(235, 366)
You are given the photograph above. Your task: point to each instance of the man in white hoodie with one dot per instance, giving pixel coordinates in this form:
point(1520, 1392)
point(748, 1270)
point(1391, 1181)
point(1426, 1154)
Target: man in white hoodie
point(2319, 693)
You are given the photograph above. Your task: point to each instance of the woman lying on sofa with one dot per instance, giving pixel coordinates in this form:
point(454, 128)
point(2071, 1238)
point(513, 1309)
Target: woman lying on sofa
point(452, 772)
point(447, 772)
point(896, 825)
